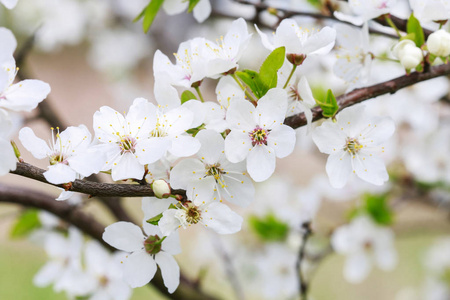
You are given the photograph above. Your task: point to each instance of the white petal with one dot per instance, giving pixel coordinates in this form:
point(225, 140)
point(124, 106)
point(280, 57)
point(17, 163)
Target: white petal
point(171, 244)
point(8, 44)
point(370, 168)
point(329, 138)
point(25, 95)
point(186, 171)
point(10, 4)
point(380, 130)
point(173, 7)
point(339, 168)
point(282, 140)
point(184, 145)
point(221, 219)
point(261, 163)
point(305, 92)
point(241, 115)
point(169, 223)
point(237, 146)
point(170, 270)
point(202, 10)
point(265, 39)
point(65, 195)
point(47, 274)
point(60, 173)
point(87, 163)
point(201, 190)
point(353, 120)
point(8, 158)
point(357, 267)
point(141, 118)
point(139, 269)
point(38, 147)
point(96, 258)
point(127, 167)
point(150, 150)
point(320, 43)
point(272, 108)
point(239, 189)
point(227, 91)
point(124, 236)
point(107, 122)
point(212, 146)
point(152, 206)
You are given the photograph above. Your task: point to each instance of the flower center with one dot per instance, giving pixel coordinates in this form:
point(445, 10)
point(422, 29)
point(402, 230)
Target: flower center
point(57, 158)
point(193, 215)
point(127, 144)
point(353, 146)
point(216, 172)
point(259, 136)
point(58, 148)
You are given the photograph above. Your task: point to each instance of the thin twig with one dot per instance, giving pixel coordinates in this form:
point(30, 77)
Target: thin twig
point(302, 283)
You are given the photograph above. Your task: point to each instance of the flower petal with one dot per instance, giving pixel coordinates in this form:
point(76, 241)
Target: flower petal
point(261, 163)
point(357, 267)
point(272, 108)
point(170, 270)
point(38, 147)
point(25, 95)
point(139, 269)
point(60, 173)
point(124, 236)
point(370, 168)
point(127, 167)
point(184, 145)
point(221, 219)
point(202, 10)
point(282, 140)
point(339, 168)
point(237, 146)
point(212, 146)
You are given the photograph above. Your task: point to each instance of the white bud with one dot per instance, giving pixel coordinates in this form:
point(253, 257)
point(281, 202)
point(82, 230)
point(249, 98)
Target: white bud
point(408, 53)
point(439, 43)
point(161, 189)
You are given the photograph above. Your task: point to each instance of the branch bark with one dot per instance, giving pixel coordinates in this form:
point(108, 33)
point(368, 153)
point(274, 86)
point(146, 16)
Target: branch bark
point(188, 289)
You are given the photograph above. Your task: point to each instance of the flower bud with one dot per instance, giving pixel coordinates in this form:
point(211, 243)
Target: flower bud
point(161, 189)
point(410, 55)
point(439, 43)
point(153, 244)
point(296, 59)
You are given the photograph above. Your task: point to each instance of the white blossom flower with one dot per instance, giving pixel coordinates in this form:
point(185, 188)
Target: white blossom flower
point(259, 134)
point(211, 176)
point(409, 54)
point(438, 43)
point(125, 140)
point(69, 154)
point(364, 243)
point(300, 41)
point(104, 269)
point(301, 100)
point(430, 10)
point(147, 251)
point(353, 143)
point(10, 4)
point(365, 10)
point(201, 11)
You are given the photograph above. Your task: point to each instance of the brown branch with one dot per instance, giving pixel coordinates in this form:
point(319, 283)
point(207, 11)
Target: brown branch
point(400, 24)
point(303, 284)
point(362, 94)
point(188, 289)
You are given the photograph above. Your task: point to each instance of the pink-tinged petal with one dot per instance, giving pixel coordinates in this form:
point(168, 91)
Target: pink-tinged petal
point(212, 146)
point(38, 147)
point(173, 7)
point(152, 206)
point(124, 236)
point(169, 223)
point(339, 168)
point(329, 138)
point(202, 10)
point(239, 189)
point(282, 140)
point(60, 173)
point(8, 158)
point(151, 150)
point(320, 43)
point(171, 244)
point(139, 269)
point(378, 132)
point(25, 95)
point(221, 219)
point(107, 123)
point(265, 39)
point(184, 145)
point(48, 274)
point(370, 168)
point(237, 146)
point(201, 190)
point(170, 270)
point(272, 108)
point(242, 116)
point(186, 171)
point(127, 167)
point(357, 267)
point(261, 163)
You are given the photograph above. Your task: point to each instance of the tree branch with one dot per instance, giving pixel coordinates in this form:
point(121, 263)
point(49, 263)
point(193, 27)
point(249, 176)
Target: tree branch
point(188, 290)
point(303, 285)
point(362, 94)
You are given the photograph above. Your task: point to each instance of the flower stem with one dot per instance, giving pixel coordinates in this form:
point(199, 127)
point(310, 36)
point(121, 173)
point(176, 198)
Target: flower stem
point(294, 67)
point(389, 21)
point(199, 93)
point(249, 96)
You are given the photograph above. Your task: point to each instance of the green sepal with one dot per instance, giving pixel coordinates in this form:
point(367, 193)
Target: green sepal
point(413, 27)
point(155, 219)
point(330, 107)
point(187, 95)
point(25, 224)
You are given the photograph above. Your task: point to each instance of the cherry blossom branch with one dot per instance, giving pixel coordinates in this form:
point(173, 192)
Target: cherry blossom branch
point(187, 290)
point(303, 285)
point(365, 93)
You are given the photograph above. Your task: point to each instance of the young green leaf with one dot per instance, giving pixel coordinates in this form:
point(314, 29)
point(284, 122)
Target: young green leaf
point(26, 223)
point(377, 207)
point(269, 228)
point(155, 219)
point(192, 4)
point(413, 26)
point(149, 13)
point(330, 106)
point(187, 95)
point(254, 82)
point(270, 67)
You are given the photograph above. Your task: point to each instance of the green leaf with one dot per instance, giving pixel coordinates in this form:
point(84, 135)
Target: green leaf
point(187, 95)
point(315, 3)
point(269, 228)
point(155, 219)
point(192, 4)
point(254, 82)
point(413, 26)
point(149, 13)
point(377, 207)
point(270, 67)
point(330, 106)
point(25, 224)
